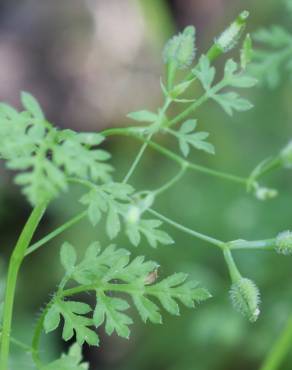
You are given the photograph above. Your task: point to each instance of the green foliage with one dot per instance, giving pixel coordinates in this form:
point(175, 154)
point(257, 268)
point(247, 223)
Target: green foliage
point(115, 200)
point(143, 116)
point(74, 321)
point(187, 137)
point(111, 270)
point(273, 56)
point(48, 160)
point(230, 101)
point(70, 361)
point(149, 228)
point(205, 72)
point(110, 198)
point(45, 156)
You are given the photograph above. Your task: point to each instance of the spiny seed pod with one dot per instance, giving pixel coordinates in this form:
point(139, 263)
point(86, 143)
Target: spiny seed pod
point(229, 38)
point(284, 243)
point(245, 298)
point(286, 155)
point(180, 49)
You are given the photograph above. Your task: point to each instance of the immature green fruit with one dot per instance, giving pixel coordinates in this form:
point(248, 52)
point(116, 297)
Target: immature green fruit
point(286, 155)
point(180, 49)
point(284, 243)
point(245, 298)
point(229, 38)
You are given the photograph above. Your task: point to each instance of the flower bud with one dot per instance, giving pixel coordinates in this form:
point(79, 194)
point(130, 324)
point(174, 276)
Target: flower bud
point(141, 204)
point(284, 243)
point(229, 38)
point(245, 298)
point(133, 214)
point(286, 155)
point(265, 193)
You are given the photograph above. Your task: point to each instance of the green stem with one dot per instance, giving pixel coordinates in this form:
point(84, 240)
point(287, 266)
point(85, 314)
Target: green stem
point(137, 159)
point(211, 55)
point(121, 287)
point(233, 270)
point(272, 165)
point(176, 158)
point(206, 238)
point(37, 335)
point(40, 323)
point(183, 115)
point(56, 232)
point(19, 344)
point(170, 183)
point(282, 346)
point(13, 269)
point(191, 109)
point(267, 244)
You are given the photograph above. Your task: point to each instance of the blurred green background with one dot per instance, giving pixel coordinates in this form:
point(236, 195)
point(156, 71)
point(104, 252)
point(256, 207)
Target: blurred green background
point(91, 62)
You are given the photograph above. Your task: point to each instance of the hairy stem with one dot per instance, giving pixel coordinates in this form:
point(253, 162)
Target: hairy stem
point(281, 348)
point(40, 323)
point(13, 269)
point(37, 335)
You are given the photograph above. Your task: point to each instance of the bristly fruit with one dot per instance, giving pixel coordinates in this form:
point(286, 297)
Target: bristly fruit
point(229, 38)
point(180, 49)
point(245, 298)
point(284, 243)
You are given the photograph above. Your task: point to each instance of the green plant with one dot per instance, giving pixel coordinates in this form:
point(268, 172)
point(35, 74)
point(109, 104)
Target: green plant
point(273, 54)
point(48, 160)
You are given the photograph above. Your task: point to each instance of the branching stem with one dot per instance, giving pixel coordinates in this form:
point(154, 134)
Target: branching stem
point(196, 234)
point(13, 269)
point(170, 183)
point(176, 158)
point(56, 232)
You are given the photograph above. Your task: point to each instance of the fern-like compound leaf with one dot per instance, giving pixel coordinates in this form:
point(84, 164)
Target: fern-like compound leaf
point(111, 271)
point(44, 156)
point(69, 361)
point(272, 55)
